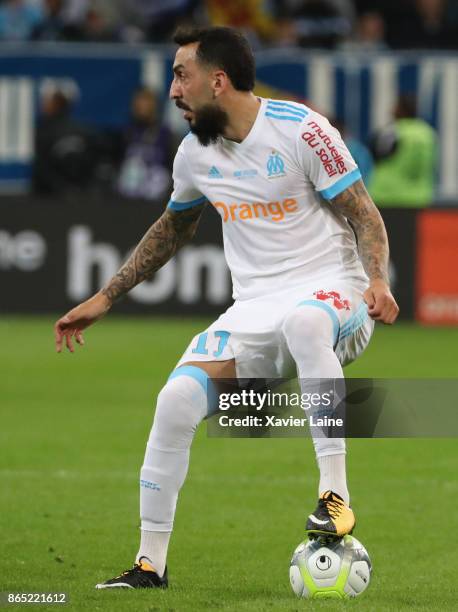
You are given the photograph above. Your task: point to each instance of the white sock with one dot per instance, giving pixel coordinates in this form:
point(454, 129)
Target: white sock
point(154, 545)
point(181, 406)
point(310, 335)
point(333, 476)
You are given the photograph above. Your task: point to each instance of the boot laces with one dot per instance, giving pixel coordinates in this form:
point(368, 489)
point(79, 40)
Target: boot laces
point(333, 506)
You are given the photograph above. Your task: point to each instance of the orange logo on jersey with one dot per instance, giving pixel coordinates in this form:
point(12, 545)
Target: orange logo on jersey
point(338, 302)
point(256, 210)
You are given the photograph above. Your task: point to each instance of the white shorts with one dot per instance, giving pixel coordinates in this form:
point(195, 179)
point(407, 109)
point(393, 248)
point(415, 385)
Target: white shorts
point(250, 331)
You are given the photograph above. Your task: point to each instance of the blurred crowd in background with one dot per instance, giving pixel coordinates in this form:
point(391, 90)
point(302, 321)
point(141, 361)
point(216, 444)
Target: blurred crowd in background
point(332, 24)
point(73, 158)
point(398, 163)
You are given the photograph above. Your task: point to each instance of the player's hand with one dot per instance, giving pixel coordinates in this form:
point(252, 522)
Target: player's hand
point(72, 324)
point(381, 304)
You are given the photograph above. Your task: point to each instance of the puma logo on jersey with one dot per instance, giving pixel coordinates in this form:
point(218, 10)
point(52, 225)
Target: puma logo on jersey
point(244, 211)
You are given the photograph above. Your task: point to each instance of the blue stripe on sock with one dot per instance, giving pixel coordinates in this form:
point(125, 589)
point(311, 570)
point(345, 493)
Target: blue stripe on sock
point(204, 381)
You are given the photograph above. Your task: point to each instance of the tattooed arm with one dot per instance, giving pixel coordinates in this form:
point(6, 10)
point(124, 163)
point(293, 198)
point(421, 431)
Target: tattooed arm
point(158, 245)
point(356, 204)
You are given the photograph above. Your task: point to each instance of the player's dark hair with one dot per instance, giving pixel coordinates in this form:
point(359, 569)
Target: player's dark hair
point(224, 48)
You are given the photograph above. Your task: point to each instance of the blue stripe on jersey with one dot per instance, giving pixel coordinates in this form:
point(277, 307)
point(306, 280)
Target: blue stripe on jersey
point(285, 111)
point(341, 185)
point(185, 205)
point(288, 117)
point(285, 106)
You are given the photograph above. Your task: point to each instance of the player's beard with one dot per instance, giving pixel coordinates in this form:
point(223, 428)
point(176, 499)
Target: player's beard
point(209, 124)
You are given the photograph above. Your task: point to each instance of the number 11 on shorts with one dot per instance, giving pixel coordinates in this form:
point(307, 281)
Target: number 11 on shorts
point(201, 347)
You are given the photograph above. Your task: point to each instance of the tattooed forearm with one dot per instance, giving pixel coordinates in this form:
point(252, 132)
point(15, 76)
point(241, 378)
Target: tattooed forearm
point(158, 245)
point(356, 204)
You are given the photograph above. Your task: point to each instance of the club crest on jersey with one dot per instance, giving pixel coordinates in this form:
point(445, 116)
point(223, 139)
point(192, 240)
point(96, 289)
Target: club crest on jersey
point(338, 302)
point(275, 165)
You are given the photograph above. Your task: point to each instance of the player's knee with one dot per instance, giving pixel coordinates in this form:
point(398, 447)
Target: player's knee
point(308, 329)
point(181, 406)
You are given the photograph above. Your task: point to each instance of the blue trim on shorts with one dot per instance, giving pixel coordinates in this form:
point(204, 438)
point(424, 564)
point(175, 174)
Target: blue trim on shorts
point(341, 185)
point(331, 313)
point(202, 378)
point(355, 322)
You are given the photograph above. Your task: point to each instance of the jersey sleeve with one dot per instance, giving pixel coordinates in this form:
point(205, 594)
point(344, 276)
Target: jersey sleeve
point(324, 157)
point(184, 195)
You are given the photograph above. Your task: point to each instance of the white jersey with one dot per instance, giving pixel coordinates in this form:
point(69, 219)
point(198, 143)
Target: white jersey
point(271, 191)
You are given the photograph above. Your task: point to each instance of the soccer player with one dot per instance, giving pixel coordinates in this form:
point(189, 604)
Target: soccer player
point(308, 254)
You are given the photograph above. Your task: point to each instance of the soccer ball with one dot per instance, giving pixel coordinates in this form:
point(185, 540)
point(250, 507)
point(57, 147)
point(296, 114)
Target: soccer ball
point(338, 570)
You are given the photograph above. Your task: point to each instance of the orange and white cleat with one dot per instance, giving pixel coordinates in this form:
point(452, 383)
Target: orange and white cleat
point(332, 518)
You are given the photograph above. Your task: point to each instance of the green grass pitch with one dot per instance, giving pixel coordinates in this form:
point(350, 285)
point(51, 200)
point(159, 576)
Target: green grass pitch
point(72, 437)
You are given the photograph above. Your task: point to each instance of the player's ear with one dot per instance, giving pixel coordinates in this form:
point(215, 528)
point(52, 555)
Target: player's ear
point(220, 82)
